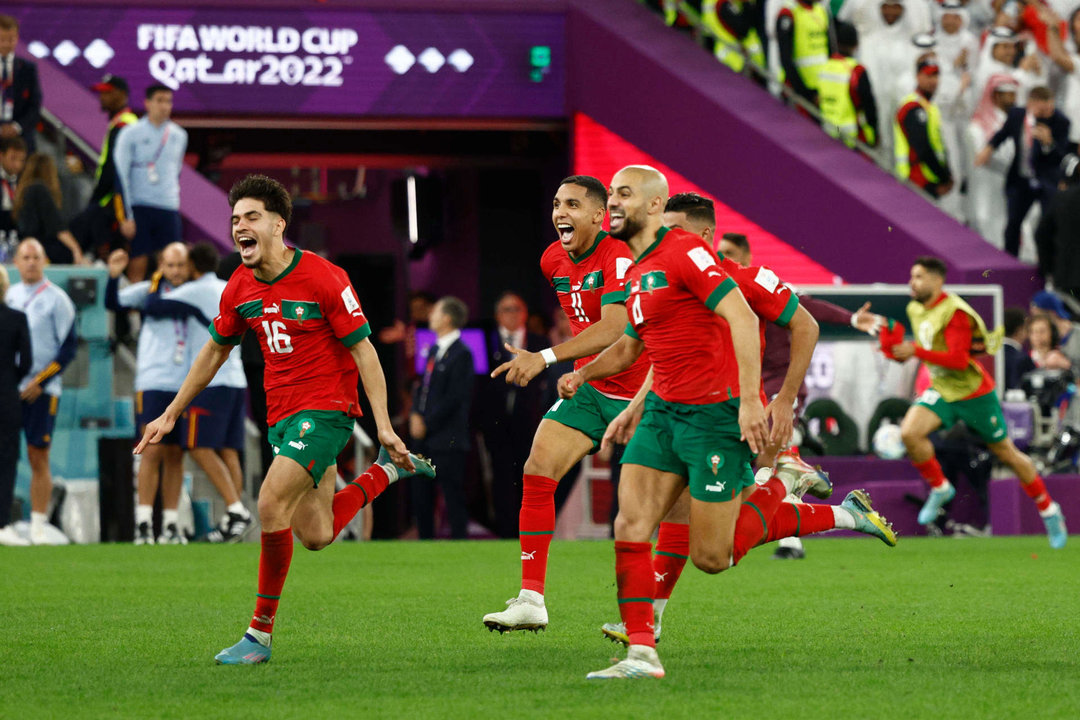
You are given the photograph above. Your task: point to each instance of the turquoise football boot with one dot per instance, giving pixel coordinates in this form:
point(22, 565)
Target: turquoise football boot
point(248, 651)
point(934, 502)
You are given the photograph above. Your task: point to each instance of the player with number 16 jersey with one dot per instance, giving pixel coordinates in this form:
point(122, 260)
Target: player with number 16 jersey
point(306, 319)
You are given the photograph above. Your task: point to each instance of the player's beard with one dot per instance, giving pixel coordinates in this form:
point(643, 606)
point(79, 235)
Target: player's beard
point(631, 226)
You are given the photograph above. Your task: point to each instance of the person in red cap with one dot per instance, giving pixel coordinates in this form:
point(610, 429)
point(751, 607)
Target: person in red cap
point(919, 149)
point(104, 222)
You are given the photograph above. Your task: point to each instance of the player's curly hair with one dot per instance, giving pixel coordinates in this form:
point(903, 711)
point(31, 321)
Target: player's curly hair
point(273, 194)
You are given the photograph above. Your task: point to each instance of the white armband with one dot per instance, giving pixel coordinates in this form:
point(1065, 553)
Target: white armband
point(549, 356)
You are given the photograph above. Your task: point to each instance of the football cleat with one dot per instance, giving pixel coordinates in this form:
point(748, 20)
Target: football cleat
point(248, 651)
point(171, 535)
point(520, 614)
point(868, 520)
point(1055, 526)
point(934, 502)
point(641, 662)
point(233, 527)
point(800, 477)
point(422, 465)
point(144, 534)
point(616, 632)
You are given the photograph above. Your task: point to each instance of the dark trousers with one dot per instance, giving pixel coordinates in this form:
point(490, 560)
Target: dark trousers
point(450, 477)
point(507, 462)
point(9, 459)
point(1019, 197)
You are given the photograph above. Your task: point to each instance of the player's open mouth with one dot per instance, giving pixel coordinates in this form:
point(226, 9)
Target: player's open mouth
point(247, 245)
point(566, 232)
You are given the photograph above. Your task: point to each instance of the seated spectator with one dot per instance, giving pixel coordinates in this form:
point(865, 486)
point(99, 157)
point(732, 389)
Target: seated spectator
point(1044, 341)
point(1017, 360)
point(37, 211)
point(1048, 303)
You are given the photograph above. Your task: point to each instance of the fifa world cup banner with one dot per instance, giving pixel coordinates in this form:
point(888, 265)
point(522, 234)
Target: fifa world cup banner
point(325, 62)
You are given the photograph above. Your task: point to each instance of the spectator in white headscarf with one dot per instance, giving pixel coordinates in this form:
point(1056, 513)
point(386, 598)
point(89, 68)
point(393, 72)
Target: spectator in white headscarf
point(986, 184)
point(999, 54)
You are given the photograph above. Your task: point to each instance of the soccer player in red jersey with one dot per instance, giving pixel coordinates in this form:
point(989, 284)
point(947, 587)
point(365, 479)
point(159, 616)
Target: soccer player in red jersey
point(703, 419)
point(947, 333)
point(314, 337)
point(587, 270)
point(772, 301)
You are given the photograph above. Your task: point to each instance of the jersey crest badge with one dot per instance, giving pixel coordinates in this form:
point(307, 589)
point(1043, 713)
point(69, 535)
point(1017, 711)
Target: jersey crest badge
point(305, 426)
point(716, 460)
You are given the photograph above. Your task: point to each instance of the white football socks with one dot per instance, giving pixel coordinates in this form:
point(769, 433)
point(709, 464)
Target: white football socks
point(842, 518)
point(262, 636)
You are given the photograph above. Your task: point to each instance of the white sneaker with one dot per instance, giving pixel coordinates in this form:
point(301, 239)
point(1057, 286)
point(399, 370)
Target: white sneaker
point(521, 614)
point(616, 632)
point(48, 534)
point(641, 662)
point(171, 535)
point(10, 537)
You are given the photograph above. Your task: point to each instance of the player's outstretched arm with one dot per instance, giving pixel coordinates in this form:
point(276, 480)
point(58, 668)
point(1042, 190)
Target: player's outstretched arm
point(527, 365)
point(371, 374)
point(781, 411)
point(745, 337)
point(210, 358)
point(612, 361)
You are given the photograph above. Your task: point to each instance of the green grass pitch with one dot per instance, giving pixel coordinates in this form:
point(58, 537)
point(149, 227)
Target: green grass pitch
point(930, 629)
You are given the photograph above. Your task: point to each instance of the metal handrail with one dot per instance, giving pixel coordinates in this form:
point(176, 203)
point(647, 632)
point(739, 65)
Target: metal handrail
point(70, 135)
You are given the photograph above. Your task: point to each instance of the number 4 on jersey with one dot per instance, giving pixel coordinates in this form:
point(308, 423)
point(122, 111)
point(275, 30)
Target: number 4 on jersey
point(277, 340)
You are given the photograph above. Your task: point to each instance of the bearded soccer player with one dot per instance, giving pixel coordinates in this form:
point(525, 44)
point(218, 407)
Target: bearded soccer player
point(706, 399)
point(587, 270)
point(947, 331)
point(314, 338)
point(771, 301)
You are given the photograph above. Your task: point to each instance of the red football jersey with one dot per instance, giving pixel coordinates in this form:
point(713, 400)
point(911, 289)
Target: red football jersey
point(584, 285)
point(306, 320)
point(767, 295)
point(672, 291)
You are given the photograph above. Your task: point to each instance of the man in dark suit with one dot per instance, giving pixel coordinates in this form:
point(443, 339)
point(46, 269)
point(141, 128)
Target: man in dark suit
point(21, 105)
point(439, 422)
point(1059, 228)
point(15, 358)
point(1040, 134)
point(508, 414)
point(1017, 361)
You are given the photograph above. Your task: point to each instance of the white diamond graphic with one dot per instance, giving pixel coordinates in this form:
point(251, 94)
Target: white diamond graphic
point(38, 49)
point(98, 53)
point(400, 59)
point(432, 59)
point(65, 52)
point(461, 60)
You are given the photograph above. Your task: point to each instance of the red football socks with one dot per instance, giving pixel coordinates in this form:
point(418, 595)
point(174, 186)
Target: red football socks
point(536, 523)
point(634, 576)
point(931, 472)
point(1036, 490)
point(672, 550)
point(277, 550)
point(796, 520)
point(357, 494)
point(754, 517)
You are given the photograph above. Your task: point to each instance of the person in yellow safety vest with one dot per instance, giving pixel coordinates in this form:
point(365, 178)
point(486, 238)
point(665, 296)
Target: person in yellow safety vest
point(848, 110)
point(98, 227)
point(732, 22)
point(802, 36)
point(920, 151)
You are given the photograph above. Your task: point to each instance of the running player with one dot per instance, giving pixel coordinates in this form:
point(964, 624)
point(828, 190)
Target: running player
point(706, 400)
point(314, 338)
point(772, 301)
point(947, 331)
point(587, 269)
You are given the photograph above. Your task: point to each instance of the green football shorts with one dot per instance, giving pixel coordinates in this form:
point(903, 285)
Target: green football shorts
point(313, 438)
point(699, 442)
point(588, 412)
point(981, 414)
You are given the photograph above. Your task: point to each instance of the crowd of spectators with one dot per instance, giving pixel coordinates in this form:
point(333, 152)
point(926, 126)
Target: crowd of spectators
point(976, 102)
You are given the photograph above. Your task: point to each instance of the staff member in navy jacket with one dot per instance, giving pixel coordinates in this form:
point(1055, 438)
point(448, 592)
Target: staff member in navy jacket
point(1040, 134)
point(439, 422)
